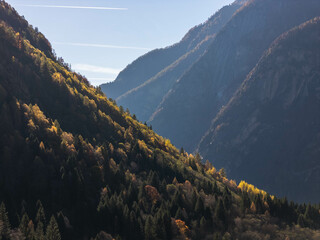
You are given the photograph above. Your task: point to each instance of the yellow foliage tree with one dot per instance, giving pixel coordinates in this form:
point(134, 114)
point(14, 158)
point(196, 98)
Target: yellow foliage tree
point(253, 208)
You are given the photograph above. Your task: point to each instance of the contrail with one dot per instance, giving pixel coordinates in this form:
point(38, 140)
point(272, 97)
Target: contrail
point(100, 45)
point(73, 7)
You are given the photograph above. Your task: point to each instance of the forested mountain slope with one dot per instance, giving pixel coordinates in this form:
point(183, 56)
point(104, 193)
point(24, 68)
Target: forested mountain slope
point(269, 131)
point(73, 165)
point(145, 81)
point(186, 113)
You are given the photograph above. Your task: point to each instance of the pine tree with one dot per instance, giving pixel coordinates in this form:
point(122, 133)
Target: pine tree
point(5, 233)
point(40, 221)
point(133, 225)
point(39, 234)
point(219, 213)
point(215, 188)
point(53, 232)
point(26, 226)
point(226, 236)
point(301, 221)
point(245, 202)
point(40, 217)
point(258, 204)
point(149, 231)
point(181, 151)
point(199, 206)
point(203, 223)
point(217, 236)
point(179, 214)
point(226, 198)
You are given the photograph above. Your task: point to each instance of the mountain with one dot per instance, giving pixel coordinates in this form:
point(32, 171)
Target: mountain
point(142, 85)
point(269, 131)
point(74, 165)
point(186, 112)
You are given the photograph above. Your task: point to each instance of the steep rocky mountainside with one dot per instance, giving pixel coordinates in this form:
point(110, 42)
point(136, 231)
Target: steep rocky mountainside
point(187, 111)
point(269, 131)
point(70, 155)
point(142, 85)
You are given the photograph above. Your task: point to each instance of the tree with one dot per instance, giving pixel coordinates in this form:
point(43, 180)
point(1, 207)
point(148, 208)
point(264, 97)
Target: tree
point(203, 223)
point(226, 198)
point(40, 217)
point(26, 227)
point(245, 202)
point(258, 204)
point(53, 232)
point(253, 208)
point(40, 221)
point(1, 226)
point(217, 236)
point(301, 221)
point(226, 236)
point(149, 231)
point(220, 213)
point(181, 151)
point(179, 214)
point(199, 207)
point(222, 172)
point(5, 233)
point(121, 110)
point(215, 188)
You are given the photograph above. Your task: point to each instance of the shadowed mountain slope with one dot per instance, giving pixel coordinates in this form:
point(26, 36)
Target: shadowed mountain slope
point(187, 111)
point(269, 131)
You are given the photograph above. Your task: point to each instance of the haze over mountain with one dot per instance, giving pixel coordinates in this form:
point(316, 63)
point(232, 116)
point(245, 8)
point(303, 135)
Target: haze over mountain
point(70, 155)
point(269, 131)
point(142, 84)
point(187, 111)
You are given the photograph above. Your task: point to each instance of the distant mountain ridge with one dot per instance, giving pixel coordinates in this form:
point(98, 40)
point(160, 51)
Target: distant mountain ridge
point(186, 113)
point(142, 84)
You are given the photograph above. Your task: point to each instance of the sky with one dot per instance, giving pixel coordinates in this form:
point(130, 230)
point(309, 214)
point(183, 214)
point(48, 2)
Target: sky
point(101, 37)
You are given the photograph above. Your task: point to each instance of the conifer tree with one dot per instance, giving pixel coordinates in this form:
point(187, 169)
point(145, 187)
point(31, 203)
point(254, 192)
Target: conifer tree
point(26, 227)
point(1, 226)
point(179, 214)
point(219, 213)
point(215, 188)
point(40, 221)
point(301, 221)
point(217, 236)
point(149, 231)
point(40, 217)
point(53, 232)
point(5, 233)
point(199, 206)
point(258, 204)
point(226, 198)
point(245, 202)
point(203, 223)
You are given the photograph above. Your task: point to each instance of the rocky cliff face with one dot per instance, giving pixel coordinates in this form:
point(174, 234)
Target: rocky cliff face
point(271, 126)
point(187, 111)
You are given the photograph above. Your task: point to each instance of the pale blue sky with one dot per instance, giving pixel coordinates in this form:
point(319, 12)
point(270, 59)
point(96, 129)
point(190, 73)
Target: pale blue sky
point(99, 41)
